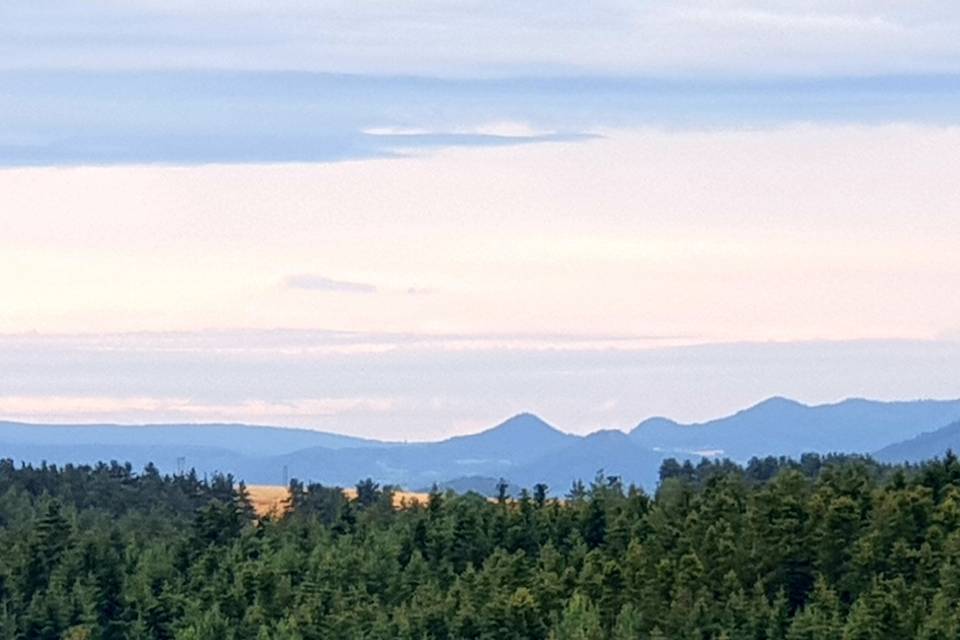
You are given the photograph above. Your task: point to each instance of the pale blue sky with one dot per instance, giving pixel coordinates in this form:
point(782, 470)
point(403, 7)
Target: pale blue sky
point(81, 117)
point(406, 220)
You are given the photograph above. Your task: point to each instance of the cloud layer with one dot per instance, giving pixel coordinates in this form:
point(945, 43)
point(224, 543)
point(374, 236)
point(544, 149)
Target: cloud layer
point(427, 37)
point(68, 118)
point(426, 387)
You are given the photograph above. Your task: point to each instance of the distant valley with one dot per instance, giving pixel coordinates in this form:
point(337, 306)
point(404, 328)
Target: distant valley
point(524, 449)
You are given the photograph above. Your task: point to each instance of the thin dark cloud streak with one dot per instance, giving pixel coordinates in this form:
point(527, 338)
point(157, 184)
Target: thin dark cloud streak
point(313, 282)
point(279, 337)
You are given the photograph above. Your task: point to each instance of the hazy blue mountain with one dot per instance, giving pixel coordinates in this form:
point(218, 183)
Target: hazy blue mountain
point(779, 426)
point(496, 452)
point(613, 452)
point(206, 460)
point(923, 447)
point(524, 450)
point(268, 454)
point(239, 438)
point(505, 451)
point(484, 485)
point(522, 438)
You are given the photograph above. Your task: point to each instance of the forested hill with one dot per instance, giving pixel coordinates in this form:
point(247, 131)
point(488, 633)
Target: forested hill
point(814, 549)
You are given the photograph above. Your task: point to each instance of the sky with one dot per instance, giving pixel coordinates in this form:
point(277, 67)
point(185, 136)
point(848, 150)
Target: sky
point(410, 221)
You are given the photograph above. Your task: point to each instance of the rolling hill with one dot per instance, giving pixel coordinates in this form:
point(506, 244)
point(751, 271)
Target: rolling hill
point(924, 446)
point(238, 438)
point(524, 449)
point(779, 426)
point(611, 451)
point(496, 452)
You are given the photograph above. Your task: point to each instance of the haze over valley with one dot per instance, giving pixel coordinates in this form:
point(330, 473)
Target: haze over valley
point(523, 450)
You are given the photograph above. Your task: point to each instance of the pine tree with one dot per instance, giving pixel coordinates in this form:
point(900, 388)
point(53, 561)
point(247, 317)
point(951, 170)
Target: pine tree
point(629, 625)
point(820, 618)
point(523, 617)
point(579, 621)
point(48, 543)
point(595, 523)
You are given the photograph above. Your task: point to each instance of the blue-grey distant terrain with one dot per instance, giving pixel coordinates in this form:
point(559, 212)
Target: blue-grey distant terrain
point(924, 446)
point(524, 450)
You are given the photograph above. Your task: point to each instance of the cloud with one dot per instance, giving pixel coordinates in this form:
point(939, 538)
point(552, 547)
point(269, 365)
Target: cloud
point(420, 291)
point(103, 408)
point(311, 282)
point(276, 378)
point(316, 342)
point(69, 118)
point(426, 37)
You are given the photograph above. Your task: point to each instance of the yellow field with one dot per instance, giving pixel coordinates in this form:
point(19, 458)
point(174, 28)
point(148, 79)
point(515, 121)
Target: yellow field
point(268, 499)
point(400, 498)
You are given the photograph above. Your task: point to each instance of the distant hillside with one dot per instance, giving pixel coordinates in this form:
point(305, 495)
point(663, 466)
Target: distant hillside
point(496, 452)
point(206, 460)
point(613, 452)
point(522, 438)
point(524, 449)
point(923, 447)
point(483, 485)
point(779, 426)
point(238, 438)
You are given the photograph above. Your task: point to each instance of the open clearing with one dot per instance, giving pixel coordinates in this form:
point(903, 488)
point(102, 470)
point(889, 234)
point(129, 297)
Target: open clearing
point(268, 499)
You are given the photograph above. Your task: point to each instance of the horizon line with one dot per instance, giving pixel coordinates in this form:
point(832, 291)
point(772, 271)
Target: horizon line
point(521, 414)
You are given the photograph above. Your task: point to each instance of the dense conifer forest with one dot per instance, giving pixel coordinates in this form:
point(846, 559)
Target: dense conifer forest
point(817, 549)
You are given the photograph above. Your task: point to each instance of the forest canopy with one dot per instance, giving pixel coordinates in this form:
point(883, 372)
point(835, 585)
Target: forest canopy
point(777, 549)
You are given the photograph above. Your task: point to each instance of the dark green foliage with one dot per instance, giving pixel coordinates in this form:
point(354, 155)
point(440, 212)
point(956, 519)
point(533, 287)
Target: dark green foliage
point(835, 548)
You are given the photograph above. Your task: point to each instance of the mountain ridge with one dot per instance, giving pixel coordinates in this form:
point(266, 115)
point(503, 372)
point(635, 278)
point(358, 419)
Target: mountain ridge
point(780, 426)
point(930, 444)
point(258, 438)
point(524, 448)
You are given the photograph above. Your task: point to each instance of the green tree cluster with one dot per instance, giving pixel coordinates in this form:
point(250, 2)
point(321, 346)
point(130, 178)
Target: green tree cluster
point(819, 548)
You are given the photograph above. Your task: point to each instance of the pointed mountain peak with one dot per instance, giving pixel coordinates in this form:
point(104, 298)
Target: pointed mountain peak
point(777, 403)
point(525, 423)
point(523, 432)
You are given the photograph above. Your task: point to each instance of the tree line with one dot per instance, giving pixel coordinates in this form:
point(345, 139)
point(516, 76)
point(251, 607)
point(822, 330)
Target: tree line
point(820, 548)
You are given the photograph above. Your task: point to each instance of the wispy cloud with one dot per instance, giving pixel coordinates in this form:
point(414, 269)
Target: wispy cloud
point(146, 409)
point(424, 37)
point(420, 291)
point(393, 392)
point(313, 282)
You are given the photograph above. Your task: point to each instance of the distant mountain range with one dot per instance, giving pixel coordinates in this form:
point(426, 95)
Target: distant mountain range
point(779, 426)
point(924, 446)
point(524, 450)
